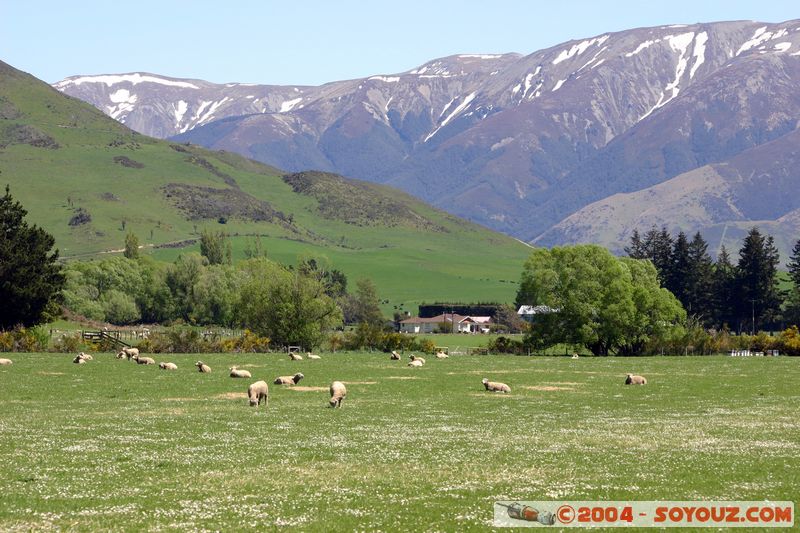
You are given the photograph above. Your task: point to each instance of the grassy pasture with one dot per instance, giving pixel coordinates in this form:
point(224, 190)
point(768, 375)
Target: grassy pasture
point(114, 446)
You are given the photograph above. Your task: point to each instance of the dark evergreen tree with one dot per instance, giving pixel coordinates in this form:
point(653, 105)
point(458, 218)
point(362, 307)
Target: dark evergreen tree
point(757, 281)
point(794, 265)
point(30, 275)
point(699, 295)
point(636, 250)
point(724, 291)
point(678, 277)
point(791, 311)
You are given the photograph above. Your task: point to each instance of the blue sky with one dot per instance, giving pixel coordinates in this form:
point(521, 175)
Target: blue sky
point(313, 42)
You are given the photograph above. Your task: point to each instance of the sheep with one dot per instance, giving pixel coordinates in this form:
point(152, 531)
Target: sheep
point(289, 380)
point(494, 386)
point(202, 367)
point(338, 392)
point(313, 356)
point(294, 356)
point(79, 360)
point(416, 362)
point(6, 362)
point(130, 353)
point(121, 355)
point(167, 366)
point(395, 356)
point(441, 355)
point(415, 358)
point(575, 356)
point(635, 380)
point(85, 356)
point(236, 373)
point(258, 391)
point(144, 360)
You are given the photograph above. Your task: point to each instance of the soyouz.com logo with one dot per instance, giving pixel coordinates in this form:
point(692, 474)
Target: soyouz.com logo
point(643, 514)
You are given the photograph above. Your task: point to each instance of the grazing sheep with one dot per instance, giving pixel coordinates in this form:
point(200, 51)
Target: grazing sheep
point(258, 391)
point(416, 362)
point(338, 392)
point(415, 358)
point(289, 380)
point(6, 362)
point(85, 356)
point(79, 360)
point(395, 356)
point(144, 360)
point(313, 356)
point(494, 386)
point(441, 355)
point(202, 367)
point(236, 373)
point(574, 356)
point(294, 356)
point(167, 366)
point(635, 380)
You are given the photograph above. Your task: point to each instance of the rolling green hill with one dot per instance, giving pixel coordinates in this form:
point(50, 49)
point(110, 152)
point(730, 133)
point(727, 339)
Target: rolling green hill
point(88, 180)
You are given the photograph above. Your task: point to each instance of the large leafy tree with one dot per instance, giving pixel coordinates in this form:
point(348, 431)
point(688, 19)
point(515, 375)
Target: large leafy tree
point(599, 301)
point(30, 275)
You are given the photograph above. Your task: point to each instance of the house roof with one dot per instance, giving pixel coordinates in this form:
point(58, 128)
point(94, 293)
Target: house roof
point(535, 310)
point(438, 319)
point(476, 319)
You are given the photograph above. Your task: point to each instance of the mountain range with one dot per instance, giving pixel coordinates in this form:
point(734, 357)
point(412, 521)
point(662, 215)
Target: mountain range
point(688, 126)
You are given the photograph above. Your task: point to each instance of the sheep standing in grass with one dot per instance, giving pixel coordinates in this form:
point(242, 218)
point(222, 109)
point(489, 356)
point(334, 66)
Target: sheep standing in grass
point(494, 386)
point(441, 355)
point(236, 373)
point(144, 360)
point(289, 380)
point(6, 362)
point(167, 366)
point(131, 353)
point(415, 358)
point(312, 356)
point(635, 380)
point(294, 356)
point(258, 391)
point(202, 367)
point(338, 392)
point(395, 356)
point(416, 362)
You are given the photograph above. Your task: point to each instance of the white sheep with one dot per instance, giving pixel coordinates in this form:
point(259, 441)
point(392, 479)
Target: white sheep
point(441, 355)
point(416, 362)
point(312, 356)
point(130, 353)
point(494, 386)
point(635, 380)
point(236, 373)
point(289, 380)
point(258, 391)
point(6, 362)
point(395, 356)
point(167, 366)
point(415, 358)
point(79, 360)
point(121, 355)
point(85, 356)
point(575, 356)
point(338, 392)
point(294, 356)
point(202, 367)
point(143, 360)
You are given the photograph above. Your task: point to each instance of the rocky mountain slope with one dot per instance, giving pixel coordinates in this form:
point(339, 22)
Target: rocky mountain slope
point(518, 143)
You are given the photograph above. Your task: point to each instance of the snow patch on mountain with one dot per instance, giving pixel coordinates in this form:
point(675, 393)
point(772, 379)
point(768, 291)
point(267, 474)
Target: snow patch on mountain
point(386, 79)
point(782, 47)
point(461, 107)
point(761, 36)
point(558, 85)
point(699, 52)
point(179, 110)
point(642, 46)
point(289, 105)
point(578, 49)
point(133, 79)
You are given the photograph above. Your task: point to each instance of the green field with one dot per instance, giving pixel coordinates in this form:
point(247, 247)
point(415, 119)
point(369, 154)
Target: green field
point(114, 446)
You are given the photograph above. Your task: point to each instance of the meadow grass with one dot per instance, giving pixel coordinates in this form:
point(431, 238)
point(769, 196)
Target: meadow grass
point(111, 445)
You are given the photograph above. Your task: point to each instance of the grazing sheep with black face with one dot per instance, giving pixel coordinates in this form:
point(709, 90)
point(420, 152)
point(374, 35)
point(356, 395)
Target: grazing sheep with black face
point(338, 392)
point(202, 367)
point(236, 373)
point(258, 391)
point(6, 362)
point(289, 380)
point(167, 366)
point(635, 380)
point(495, 386)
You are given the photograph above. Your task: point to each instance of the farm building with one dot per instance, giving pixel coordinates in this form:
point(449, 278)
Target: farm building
point(450, 322)
point(528, 313)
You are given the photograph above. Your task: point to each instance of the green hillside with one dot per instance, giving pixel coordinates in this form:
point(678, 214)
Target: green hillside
point(88, 180)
